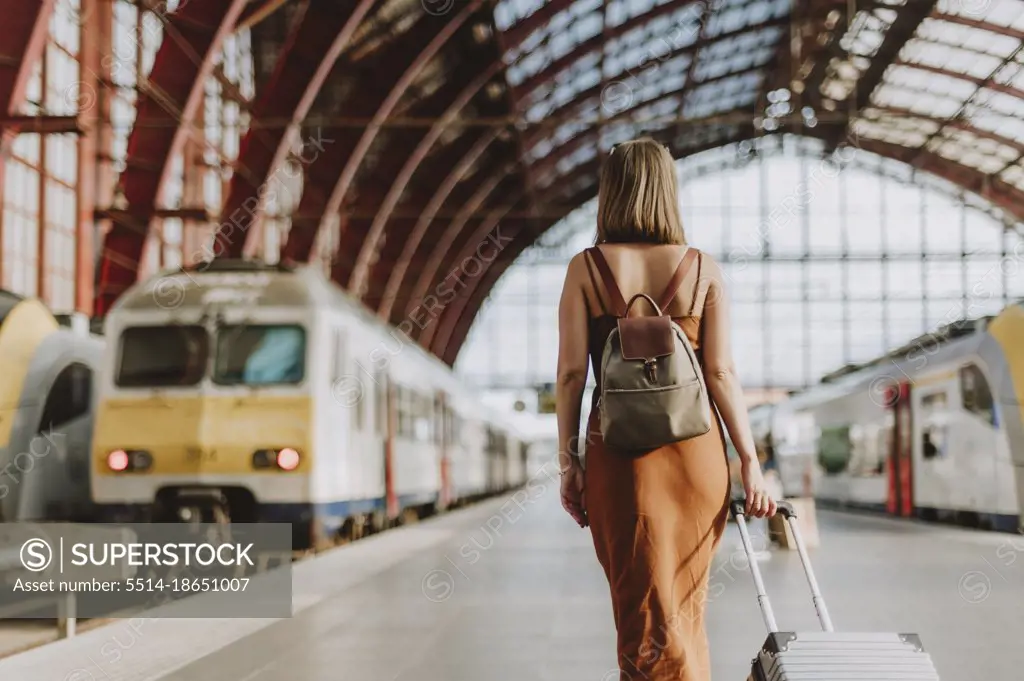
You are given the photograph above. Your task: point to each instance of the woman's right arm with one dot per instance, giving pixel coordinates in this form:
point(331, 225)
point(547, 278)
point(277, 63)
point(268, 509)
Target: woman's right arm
point(725, 389)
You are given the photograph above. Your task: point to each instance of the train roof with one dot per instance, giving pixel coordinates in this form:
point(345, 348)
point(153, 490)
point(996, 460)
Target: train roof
point(246, 282)
point(8, 301)
point(939, 345)
point(252, 283)
point(941, 336)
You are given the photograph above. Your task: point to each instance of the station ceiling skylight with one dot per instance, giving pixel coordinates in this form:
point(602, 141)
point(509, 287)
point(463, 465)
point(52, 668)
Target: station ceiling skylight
point(935, 84)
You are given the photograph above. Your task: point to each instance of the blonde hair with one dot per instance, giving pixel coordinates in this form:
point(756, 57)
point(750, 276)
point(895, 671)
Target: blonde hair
point(637, 199)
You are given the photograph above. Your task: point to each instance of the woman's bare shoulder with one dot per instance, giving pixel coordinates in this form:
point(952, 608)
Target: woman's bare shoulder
point(708, 264)
point(577, 261)
point(577, 267)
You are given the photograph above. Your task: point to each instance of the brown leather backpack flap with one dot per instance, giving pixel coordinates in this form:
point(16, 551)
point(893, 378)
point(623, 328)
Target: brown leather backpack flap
point(646, 337)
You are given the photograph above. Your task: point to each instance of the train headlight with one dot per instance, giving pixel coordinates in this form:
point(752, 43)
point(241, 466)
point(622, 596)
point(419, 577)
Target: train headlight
point(118, 460)
point(285, 459)
point(288, 459)
point(129, 461)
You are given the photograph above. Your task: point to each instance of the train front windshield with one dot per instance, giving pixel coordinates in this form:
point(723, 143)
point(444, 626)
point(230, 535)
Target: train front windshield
point(162, 356)
point(255, 355)
point(260, 355)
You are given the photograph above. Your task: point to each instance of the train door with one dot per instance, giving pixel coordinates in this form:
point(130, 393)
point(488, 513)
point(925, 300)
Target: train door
point(444, 441)
point(492, 459)
point(387, 422)
point(900, 500)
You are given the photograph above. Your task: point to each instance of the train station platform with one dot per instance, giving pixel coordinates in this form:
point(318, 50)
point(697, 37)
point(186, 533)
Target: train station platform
point(499, 593)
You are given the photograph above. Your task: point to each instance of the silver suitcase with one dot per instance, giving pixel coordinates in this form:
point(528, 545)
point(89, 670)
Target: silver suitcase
point(827, 655)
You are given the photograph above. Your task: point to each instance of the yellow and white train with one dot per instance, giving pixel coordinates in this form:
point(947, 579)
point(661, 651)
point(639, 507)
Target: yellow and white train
point(46, 412)
point(263, 393)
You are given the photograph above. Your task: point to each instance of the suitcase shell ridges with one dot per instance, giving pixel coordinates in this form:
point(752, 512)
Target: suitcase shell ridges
point(834, 656)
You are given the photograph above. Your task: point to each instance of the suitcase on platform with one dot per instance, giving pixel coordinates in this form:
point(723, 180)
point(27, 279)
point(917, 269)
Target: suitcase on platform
point(827, 655)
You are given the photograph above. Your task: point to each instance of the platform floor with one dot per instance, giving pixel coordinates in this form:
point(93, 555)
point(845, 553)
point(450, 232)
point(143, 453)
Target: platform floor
point(495, 593)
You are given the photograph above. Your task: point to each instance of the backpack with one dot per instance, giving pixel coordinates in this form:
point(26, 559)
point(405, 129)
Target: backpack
point(652, 386)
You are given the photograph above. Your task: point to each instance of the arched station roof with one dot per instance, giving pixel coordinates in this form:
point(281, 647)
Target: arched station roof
point(452, 133)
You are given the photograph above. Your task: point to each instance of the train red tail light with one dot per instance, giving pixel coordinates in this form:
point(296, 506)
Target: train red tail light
point(288, 459)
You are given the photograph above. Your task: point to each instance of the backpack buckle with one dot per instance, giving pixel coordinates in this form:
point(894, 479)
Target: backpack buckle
point(651, 368)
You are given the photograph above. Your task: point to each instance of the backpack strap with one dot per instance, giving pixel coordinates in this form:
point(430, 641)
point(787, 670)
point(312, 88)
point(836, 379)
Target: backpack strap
point(677, 280)
point(696, 289)
point(593, 283)
point(618, 303)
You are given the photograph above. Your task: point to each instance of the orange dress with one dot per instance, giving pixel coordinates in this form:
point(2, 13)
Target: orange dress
point(656, 521)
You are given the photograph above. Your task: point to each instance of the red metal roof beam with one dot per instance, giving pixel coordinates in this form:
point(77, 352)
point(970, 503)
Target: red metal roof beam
point(24, 25)
point(42, 125)
point(348, 173)
point(475, 298)
point(193, 40)
point(313, 48)
point(323, 169)
point(397, 186)
point(444, 251)
point(23, 34)
point(517, 235)
point(412, 241)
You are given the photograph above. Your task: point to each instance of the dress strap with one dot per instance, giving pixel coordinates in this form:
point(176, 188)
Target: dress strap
point(618, 303)
point(677, 279)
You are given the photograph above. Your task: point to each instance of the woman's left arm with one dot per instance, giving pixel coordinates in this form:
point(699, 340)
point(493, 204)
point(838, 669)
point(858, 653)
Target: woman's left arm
point(572, 363)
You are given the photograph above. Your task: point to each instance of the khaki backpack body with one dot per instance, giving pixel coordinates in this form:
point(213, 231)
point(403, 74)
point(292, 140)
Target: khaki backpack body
point(652, 387)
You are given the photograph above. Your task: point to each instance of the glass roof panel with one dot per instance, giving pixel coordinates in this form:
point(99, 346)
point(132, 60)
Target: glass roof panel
point(567, 30)
point(888, 132)
point(998, 12)
point(973, 151)
point(724, 95)
point(866, 32)
point(925, 89)
point(1003, 103)
point(920, 102)
point(1011, 75)
point(1003, 115)
point(619, 131)
point(509, 12)
point(950, 58)
point(1013, 175)
point(903, 121)
point(969, 37)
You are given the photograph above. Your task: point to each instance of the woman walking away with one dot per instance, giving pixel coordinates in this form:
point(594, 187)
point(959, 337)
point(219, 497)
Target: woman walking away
point(656, 515)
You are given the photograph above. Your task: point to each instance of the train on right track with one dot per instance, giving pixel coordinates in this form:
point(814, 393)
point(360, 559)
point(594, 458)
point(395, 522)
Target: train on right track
point(931, 430)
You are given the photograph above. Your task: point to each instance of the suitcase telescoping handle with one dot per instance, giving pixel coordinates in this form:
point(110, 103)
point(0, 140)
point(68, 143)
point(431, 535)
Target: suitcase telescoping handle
point(738, 507)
